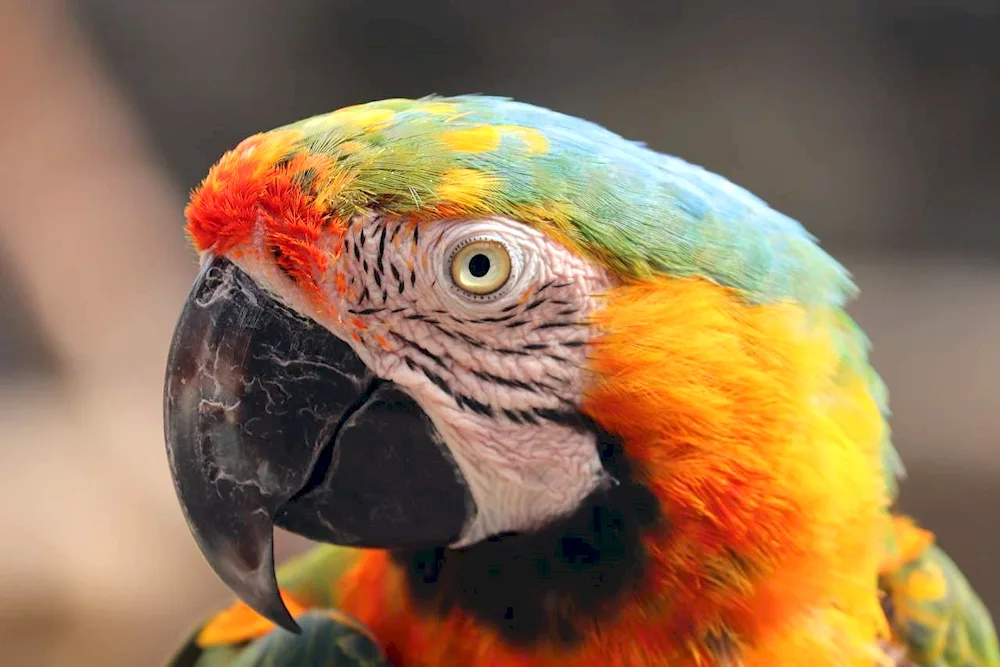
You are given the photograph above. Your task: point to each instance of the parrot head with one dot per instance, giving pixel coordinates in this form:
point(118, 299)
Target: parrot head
point(395, 339)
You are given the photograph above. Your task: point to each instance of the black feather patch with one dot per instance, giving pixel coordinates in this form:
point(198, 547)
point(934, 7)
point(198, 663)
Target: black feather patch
point(539, 587)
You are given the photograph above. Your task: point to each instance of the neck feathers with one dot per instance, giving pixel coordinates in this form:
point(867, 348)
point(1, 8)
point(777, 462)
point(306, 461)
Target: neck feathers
point(746, 525)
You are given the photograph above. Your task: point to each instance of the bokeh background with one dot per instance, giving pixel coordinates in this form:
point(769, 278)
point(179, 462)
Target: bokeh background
point(876, 122)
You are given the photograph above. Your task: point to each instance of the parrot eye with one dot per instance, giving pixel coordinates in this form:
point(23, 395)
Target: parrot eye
point(480, 266)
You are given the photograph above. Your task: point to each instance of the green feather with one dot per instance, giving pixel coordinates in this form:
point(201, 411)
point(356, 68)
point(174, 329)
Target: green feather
point(946, 628)
point(639, 212)
point(310, 578)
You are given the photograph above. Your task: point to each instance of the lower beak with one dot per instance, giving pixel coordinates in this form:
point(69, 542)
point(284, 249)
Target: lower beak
point(270, 420)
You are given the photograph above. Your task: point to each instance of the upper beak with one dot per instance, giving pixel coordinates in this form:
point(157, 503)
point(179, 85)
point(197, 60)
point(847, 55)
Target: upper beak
point(271, 419)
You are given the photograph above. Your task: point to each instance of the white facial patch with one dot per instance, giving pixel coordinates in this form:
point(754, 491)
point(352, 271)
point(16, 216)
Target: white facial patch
point(501, 374)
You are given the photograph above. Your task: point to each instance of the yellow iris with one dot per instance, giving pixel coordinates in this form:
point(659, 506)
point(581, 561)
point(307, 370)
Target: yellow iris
point(481, 267)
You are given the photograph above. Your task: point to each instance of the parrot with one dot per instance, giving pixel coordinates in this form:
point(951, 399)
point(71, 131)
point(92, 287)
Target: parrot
point(542, 396)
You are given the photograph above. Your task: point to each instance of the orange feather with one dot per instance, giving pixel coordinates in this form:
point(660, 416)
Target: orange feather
point(762, 448)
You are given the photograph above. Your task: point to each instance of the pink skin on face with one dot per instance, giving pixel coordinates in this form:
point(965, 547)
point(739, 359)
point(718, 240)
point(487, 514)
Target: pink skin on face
point(500, 375)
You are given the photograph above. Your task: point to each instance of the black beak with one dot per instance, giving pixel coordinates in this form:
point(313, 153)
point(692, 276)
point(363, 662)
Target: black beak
point(272, 420)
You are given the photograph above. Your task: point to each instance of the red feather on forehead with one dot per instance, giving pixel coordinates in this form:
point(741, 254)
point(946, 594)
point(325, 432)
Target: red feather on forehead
point(260, 188)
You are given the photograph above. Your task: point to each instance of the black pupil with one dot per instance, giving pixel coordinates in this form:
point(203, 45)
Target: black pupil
point(479, 265)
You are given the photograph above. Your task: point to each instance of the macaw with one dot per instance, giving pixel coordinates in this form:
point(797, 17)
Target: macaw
point(546, 397)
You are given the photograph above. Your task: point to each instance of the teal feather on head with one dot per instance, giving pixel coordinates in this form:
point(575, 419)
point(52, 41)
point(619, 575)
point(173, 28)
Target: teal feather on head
point(639, 212)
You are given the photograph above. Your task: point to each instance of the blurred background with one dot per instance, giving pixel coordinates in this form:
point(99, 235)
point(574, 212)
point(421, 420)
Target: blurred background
point(873, 121)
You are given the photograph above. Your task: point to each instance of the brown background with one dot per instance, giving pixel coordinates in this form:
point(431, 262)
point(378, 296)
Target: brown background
point(874, 122)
